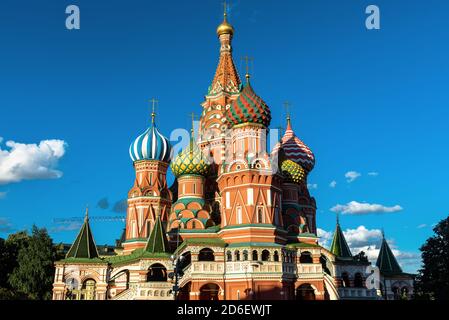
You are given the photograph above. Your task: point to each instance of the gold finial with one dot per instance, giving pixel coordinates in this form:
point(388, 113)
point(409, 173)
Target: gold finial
point(154, 102)
point(86, 217)
point(247, 61)
point(225, 27)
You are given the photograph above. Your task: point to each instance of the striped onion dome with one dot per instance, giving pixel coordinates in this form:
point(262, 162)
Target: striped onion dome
point(248, 108)
point(150, 145)
point(191, 160)
point(292, 171)
point(295, 149)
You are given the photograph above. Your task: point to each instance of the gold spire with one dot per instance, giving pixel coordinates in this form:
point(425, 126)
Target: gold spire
point(153, 113)
point(225, 27)
point(86, 217)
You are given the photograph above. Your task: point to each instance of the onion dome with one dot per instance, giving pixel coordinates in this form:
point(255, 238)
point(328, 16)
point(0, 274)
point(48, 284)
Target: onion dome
point(225, 27)
point(150, 145)
point(292, 172)
point(295, 150)
point(248, 108)
point(191, 160)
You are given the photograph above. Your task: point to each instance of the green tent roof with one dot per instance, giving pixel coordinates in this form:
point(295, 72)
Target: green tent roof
point(339, 245)
point(84, 246)
point(157, 242)
point(386, 261)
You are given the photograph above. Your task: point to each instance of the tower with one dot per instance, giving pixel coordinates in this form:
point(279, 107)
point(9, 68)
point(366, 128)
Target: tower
point(225, 89)
point(296, 160)
point(250, 188)
point(149, 197)
point(190, 211)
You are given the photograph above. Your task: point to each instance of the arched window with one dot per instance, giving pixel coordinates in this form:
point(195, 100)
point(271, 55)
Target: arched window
point(157, 273)
point(237, 255)
point(276, 256)
point(260, 215)
point(358, 280)
point(345, 280)
point(239, 215)
point(206, 254)
point(255, 255)
point(245, 255)
point(306, 257)
point(265, 255)
point(229, 256)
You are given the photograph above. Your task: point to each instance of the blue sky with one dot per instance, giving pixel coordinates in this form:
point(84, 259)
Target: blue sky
point(364, 101)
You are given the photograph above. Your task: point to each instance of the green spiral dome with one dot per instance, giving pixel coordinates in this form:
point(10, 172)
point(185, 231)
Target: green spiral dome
point(191, 160)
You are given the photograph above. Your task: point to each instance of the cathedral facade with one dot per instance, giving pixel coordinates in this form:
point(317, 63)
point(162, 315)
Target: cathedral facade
point(238, 223)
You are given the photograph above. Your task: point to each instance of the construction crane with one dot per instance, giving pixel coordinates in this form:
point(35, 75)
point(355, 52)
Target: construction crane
point(94, 218)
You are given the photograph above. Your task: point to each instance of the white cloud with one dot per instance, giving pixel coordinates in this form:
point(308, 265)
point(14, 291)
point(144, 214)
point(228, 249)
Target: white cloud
point(312, 186)
point(362, 237)
point(31, 161)
point(3, 195)
point(352, 176)
point(356, 208)
point(324, 237)
point(421, 226)
point(66, 226)
point(333, 184)
point(373, 174)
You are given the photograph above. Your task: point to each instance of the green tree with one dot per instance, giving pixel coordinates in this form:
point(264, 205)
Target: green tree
point(33, 275)
point(433, 278)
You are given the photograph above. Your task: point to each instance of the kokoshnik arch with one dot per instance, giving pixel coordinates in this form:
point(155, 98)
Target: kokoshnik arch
point(239, 218)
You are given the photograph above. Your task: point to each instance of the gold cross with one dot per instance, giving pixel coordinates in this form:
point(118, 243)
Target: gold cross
point(247, 61)
point(193, 123)
point(287, 107)
point(225, 8)
point(154, 102)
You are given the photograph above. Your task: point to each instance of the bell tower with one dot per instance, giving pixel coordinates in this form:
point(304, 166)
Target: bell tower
point(149, 197)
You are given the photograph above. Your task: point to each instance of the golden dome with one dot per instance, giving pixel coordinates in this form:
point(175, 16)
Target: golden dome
point(225, 28)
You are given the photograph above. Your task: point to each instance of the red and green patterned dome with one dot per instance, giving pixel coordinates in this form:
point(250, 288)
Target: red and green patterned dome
point(248, 108)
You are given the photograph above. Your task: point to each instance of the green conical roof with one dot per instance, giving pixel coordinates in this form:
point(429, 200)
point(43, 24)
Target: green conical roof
point(386, 261)
point(339, 245)
point(157, 242)
point(84, 246)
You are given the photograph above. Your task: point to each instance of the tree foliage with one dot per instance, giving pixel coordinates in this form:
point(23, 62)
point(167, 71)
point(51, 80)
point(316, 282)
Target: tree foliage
point(433, 278)
point(27, 265)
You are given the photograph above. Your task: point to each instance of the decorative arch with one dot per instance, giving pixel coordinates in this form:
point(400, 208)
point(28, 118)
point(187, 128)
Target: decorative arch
point(210, 291)
point(157, 273)
point(305, 292)
point(206, 254)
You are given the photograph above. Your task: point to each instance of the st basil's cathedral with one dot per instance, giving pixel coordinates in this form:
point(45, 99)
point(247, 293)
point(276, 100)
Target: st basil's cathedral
point(238, 223)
